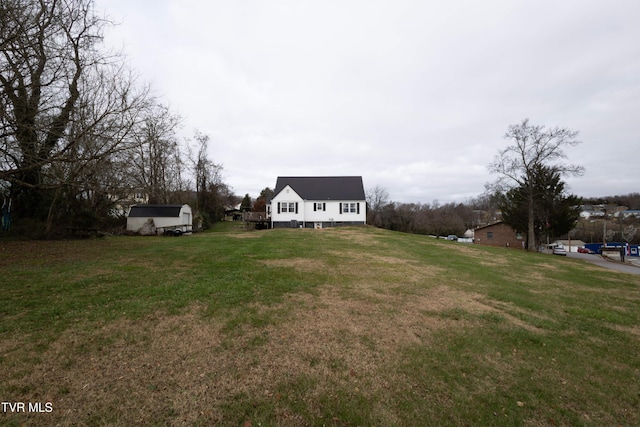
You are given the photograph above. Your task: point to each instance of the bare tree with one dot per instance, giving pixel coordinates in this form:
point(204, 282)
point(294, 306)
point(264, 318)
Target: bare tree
point(376, 197)
point(43, 58)
point(67, 109)
point(94, 168)
point(533, 147)
point(155, 163)
point(211, 192)
point(205, 170)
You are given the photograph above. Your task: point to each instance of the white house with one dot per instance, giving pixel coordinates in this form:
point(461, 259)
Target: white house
point(159, 219)
point(317, 202)
point(570, 245)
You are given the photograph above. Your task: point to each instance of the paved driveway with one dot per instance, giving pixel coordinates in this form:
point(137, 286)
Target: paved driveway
point(612, 265)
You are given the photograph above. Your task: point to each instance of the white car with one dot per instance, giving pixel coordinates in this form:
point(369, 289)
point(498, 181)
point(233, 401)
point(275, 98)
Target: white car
point(559, 250)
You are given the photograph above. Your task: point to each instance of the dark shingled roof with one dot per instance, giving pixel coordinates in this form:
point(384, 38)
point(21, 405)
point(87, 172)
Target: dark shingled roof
point(155, 211)
point(323, 187)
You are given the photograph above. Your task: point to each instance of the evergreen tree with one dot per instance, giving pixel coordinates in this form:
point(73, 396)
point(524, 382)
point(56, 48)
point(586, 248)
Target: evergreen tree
point(245, 206)
point(555, 212)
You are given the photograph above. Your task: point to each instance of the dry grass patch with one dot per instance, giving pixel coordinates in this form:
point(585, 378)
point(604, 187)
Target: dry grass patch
point(353, 235)
point(471, 251)
point(494, 261)
point(376, 268)
point(245, 234)
point(134, 372)
point(634, 330)
point(511, 312)
point(304, 265)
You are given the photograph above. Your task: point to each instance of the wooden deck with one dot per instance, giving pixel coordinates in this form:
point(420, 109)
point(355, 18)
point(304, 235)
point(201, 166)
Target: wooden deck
point(259, 219)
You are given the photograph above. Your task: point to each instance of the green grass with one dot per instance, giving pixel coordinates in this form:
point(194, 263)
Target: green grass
point(354, 326)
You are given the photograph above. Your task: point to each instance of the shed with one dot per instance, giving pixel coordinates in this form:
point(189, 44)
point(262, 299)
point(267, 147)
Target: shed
point(160, 219)
point(499, 234)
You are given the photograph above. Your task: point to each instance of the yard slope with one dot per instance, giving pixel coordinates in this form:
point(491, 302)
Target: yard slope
point(352, 326)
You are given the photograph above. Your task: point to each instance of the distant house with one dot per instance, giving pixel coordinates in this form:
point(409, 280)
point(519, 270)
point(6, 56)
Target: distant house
point(318, 202)
point(159, 219)
point(233, 213)
point(499, 234)
point(126, 199)
point(570, 245)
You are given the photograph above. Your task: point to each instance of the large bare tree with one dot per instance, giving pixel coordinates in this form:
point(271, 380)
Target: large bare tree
point(93, 171)
point(377, 197)
point(156, 163)
point(65, 105)
point(533, 147)
point(211, 192)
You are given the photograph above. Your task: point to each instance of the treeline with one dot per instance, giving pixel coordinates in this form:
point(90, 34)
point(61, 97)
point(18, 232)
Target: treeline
point(456, 218)
point(80, 136)
point(429, 218)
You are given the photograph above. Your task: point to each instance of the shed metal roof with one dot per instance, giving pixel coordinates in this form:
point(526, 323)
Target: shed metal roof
point(323, 187)
point(157, 211)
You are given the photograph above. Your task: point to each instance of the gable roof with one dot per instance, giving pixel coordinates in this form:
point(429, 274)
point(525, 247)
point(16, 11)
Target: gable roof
point(491, 225)
point(323, 187)
point(155, 211)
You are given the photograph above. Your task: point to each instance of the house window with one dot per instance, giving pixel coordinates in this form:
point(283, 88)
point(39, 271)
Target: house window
point(319, 206)
point(284, 207)
point(489, 234)
point(349, 207)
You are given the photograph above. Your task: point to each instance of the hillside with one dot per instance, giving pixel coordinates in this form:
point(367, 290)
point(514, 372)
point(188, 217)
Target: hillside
point(355, 326)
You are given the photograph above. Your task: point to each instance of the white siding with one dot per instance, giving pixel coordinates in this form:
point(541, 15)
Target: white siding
point(328, 215)
point(334, 213)
point(290, 197)
point(184, 218)
point(135, 224)
point(167, 221)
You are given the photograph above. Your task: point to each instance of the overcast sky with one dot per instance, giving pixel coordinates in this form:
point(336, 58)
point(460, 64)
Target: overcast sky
point(414, 96)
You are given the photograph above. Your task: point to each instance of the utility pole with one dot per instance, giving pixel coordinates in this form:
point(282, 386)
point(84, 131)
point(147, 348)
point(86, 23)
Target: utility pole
point(604, 231)
point(623, 246)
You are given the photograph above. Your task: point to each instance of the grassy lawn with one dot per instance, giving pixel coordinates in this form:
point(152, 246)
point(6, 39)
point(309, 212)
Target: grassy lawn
point(339, 327)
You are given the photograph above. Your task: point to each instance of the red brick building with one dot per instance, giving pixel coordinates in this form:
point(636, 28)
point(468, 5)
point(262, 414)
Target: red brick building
point(499, 234)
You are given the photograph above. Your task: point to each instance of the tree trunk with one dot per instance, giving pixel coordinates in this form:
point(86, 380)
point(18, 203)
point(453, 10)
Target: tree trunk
point(531, 228)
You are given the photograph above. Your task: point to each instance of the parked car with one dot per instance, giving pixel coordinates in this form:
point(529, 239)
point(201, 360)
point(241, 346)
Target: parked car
point(584, 250)
point(559, 250)
point(452, 237)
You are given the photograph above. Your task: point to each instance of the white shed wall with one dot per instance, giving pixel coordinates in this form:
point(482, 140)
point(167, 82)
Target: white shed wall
point(184, 218)
point(136, 223)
